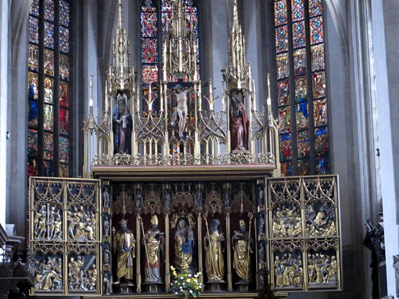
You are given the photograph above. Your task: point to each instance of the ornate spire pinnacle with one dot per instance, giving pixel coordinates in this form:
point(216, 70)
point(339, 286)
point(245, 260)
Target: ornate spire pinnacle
point(237, 73)
point(121, 72)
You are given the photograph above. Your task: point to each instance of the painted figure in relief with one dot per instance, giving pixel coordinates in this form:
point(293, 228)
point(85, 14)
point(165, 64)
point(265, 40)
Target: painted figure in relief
point(181, 110)
point(322, 268)
point(288, 271)
point(184, 242)
point(48, 274)
point(214, 259)
point(125, 247)
point(153, 240)
point(242, 252)
point(238, 121)
point(122, 126)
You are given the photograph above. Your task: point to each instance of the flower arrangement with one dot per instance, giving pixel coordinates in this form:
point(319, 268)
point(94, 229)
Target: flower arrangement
point(185, 284)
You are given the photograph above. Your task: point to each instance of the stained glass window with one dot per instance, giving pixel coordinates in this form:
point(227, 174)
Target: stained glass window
point(154, 23)
point(301, 86)
point(48, 89)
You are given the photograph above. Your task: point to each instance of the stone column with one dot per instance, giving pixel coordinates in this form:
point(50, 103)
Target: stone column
point(3, 106)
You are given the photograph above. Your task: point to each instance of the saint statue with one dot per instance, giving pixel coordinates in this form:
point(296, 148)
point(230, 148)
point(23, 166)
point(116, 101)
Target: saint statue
point(184, 242)
point(238, 121)
point(124, 246)
point(122, 126)
point(153, 240)
point(214, 260)
point(181, 109)
point(242, 252)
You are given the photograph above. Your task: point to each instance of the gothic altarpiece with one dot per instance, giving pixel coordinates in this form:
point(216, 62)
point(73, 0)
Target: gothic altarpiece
point(176, 183)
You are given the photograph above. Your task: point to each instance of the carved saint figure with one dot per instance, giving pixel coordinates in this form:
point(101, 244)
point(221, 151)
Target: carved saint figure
point(122, 126)
point(106, 198)
point(214, 260)
point(242, 252)
point(184, 242)
point(124, 246)
point(153, 240)
point(238, 121)
point(181, 109)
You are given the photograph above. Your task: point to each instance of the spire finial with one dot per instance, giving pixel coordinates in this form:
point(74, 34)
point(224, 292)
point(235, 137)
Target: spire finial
point(120, 22)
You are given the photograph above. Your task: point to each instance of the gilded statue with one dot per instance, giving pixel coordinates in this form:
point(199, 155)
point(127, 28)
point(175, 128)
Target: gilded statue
point(153, 241)
point(213, 243)
point(184, 242)
point(48, 274)
point(242, 252)
point(124, 246)
point(322, 268)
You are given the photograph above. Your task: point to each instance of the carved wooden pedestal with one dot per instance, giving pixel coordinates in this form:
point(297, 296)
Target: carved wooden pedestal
point(153, 287)
point(215, 285)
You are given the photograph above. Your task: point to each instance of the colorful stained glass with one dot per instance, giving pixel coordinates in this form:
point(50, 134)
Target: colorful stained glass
point(64, 121)
point(149, 73)
point(32, 143)
point(319, 85)
point(64, 94)
point(64, 13)
point(321, 141)
point(149, 24)
point(281, 39)
point(280, 12)
point(64, 39)
point(64, 67)
point(33, 30)
point(302, 116)
point(64, 149)
point(316, 30)
point(300, 62)
point(48, 90)
point(283, 93)
point(303, 167)
point(284, 120)
point(282, 66)
point(32, 167)
point(33, 59)
point(49, 10)
point(64, 170)
point(301, 89)
point(48, 168)
point(297, 9)
point(285, 147)
point(166, 16)
point(286, 168)
point(320, 113)
point(317, 57)
point(34, 9)
point(322, 164)
point(48, 146)
point(49, 62)
point(149, 51)
point(315, 7)
point(191, 18)
point(298, 34)
point(32, 100)
point(49, 35)
point(303, 144)
point(48, 117)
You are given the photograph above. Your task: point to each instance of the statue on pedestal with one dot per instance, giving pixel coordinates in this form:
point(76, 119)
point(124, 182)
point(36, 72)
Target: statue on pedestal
point(181, 110)
point(184, 242)
point(238, 121)
point(153, 240)
point(242, 252)
point(214, 260)
point(122, 126)
point(124, 246)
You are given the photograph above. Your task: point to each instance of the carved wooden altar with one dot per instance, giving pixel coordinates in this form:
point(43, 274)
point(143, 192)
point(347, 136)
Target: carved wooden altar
point(181, 159)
